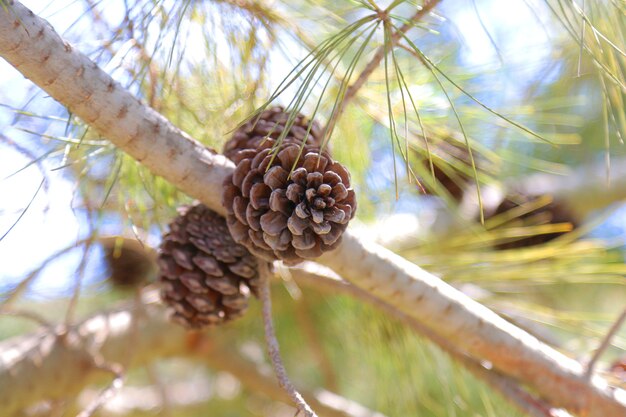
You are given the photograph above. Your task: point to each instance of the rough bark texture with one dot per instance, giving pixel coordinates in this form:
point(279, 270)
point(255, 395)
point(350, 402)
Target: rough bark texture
point(32, 46)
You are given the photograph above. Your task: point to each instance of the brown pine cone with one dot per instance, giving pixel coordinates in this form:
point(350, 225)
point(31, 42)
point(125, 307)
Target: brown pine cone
point(129, 263)
point(289, 217)
point(271, 124)
point(206, 277)
point(554, 212)
point(447, 155)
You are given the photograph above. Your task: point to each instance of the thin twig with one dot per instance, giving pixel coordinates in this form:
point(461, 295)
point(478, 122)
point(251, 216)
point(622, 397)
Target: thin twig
point(30, 315)
point(486, 31)
point(375, 62)
point(606, 341)
point(272, 343)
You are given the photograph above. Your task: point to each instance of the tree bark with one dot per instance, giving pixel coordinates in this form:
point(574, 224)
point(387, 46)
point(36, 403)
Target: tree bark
point(33, 47)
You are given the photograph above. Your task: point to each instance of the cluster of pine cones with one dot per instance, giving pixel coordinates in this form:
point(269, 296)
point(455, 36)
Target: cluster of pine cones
point(287, 199)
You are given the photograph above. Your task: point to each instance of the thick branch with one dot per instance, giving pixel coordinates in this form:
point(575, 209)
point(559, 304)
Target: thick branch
point(32, 46)
point(314, 276)
point(56, 364)
point(472, 327)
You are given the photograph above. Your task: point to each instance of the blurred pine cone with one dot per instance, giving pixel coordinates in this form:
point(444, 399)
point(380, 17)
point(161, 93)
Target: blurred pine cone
point(270, 124)
point(206, 277)
point(447, 156)
point(129, 263)
point(290, 217)
point(553, 213)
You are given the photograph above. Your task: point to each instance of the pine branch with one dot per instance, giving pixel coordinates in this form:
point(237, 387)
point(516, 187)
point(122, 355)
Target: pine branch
point(61, 362)
point(606, 342)
point(313, 276)
point(29, 44)
point(58, 363)
point(77, 82)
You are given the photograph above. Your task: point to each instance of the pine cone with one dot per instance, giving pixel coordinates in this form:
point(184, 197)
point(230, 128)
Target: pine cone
point(128, 262)
point(451, 153)
point(290, 217)
point(554, 212)
point(270, 124)
point(206, 277)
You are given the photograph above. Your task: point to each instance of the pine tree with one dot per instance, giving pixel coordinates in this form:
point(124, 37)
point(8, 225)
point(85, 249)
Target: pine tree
point(480, 314)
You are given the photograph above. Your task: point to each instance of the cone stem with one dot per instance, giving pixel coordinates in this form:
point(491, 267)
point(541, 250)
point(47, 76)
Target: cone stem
point(272, 343)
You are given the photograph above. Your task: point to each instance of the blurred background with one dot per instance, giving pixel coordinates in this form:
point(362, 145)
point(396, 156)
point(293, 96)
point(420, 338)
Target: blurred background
point(523, 98)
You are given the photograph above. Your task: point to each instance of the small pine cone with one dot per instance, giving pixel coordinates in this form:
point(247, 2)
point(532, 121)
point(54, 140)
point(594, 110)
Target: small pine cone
point(129, 263)
point(270, 124)
point(554, 212)
point(206, 277)
point(290, 217)
point(452, 154)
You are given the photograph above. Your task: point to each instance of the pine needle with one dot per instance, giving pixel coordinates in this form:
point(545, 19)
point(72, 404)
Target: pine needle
point(41, 184)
